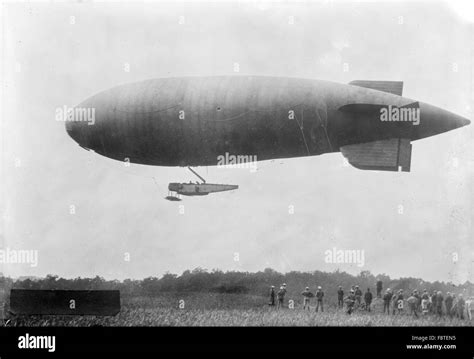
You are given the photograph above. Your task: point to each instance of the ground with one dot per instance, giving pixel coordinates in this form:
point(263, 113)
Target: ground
point(198, 309)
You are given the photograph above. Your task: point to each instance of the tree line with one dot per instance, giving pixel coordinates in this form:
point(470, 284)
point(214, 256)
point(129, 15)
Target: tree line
point(254, 283)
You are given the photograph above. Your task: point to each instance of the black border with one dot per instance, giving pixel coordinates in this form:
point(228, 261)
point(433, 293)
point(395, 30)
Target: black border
point(343, 340)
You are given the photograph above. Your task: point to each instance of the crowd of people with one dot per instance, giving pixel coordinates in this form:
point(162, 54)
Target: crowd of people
point(425, 303)
point(394, 302)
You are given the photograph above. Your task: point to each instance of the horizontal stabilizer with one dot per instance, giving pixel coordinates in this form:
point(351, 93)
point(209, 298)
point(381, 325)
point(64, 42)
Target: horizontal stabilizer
point(394, 87)
point(386, 155)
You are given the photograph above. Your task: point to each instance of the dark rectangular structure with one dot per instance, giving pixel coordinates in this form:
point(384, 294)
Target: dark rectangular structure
point(65, 302)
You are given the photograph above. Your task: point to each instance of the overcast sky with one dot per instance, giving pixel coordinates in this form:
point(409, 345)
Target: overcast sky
point(57, 55)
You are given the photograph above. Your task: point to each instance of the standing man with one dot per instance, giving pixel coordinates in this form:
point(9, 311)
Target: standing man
point(340, 297)
point(433, 302)
point(399, 302)
point(454, 308)
point(425, 301)
point(306, 297)
point(272, 296)
point(386, 301)
point(319, 299)
point(412, 304)
point(358, 295)
point(448, 302)
point(461, 306)
point(281, 296)
point(469, 307)
point(368, 299)
point(439, 303)
point(418, 299)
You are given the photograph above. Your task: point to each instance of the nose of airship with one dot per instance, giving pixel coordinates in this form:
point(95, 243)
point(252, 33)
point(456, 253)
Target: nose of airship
point(81, 124)
point(75, 131)
point(434, 120)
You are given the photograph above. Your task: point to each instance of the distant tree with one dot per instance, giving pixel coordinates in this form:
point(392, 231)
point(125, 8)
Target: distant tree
point(200, 280)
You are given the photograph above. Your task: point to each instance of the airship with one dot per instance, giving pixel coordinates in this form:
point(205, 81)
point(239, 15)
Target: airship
point(193, 121)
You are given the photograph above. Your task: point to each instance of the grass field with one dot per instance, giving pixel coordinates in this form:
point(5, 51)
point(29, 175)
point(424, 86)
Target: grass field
point(198, 309)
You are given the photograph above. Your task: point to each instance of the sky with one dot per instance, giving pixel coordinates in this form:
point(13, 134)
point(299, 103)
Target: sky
point(87, 215)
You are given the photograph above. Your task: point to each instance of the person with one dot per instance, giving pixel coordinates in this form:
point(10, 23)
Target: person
point(461, 305)
point(358, 294)
point(386, 301)
point(454, 307)
point(425, 301)
point(350, 301)
point(306, 297)
point(418, 299)
point(272, 296)
point(439, 303)
point(469, 307)
point(319, 299)
point(281, 296)
point(433, 302)
point(412, 304)
point(368, 299)
point(394, 303)
point(340, 297)
point(399, 301)
point(448, 302)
